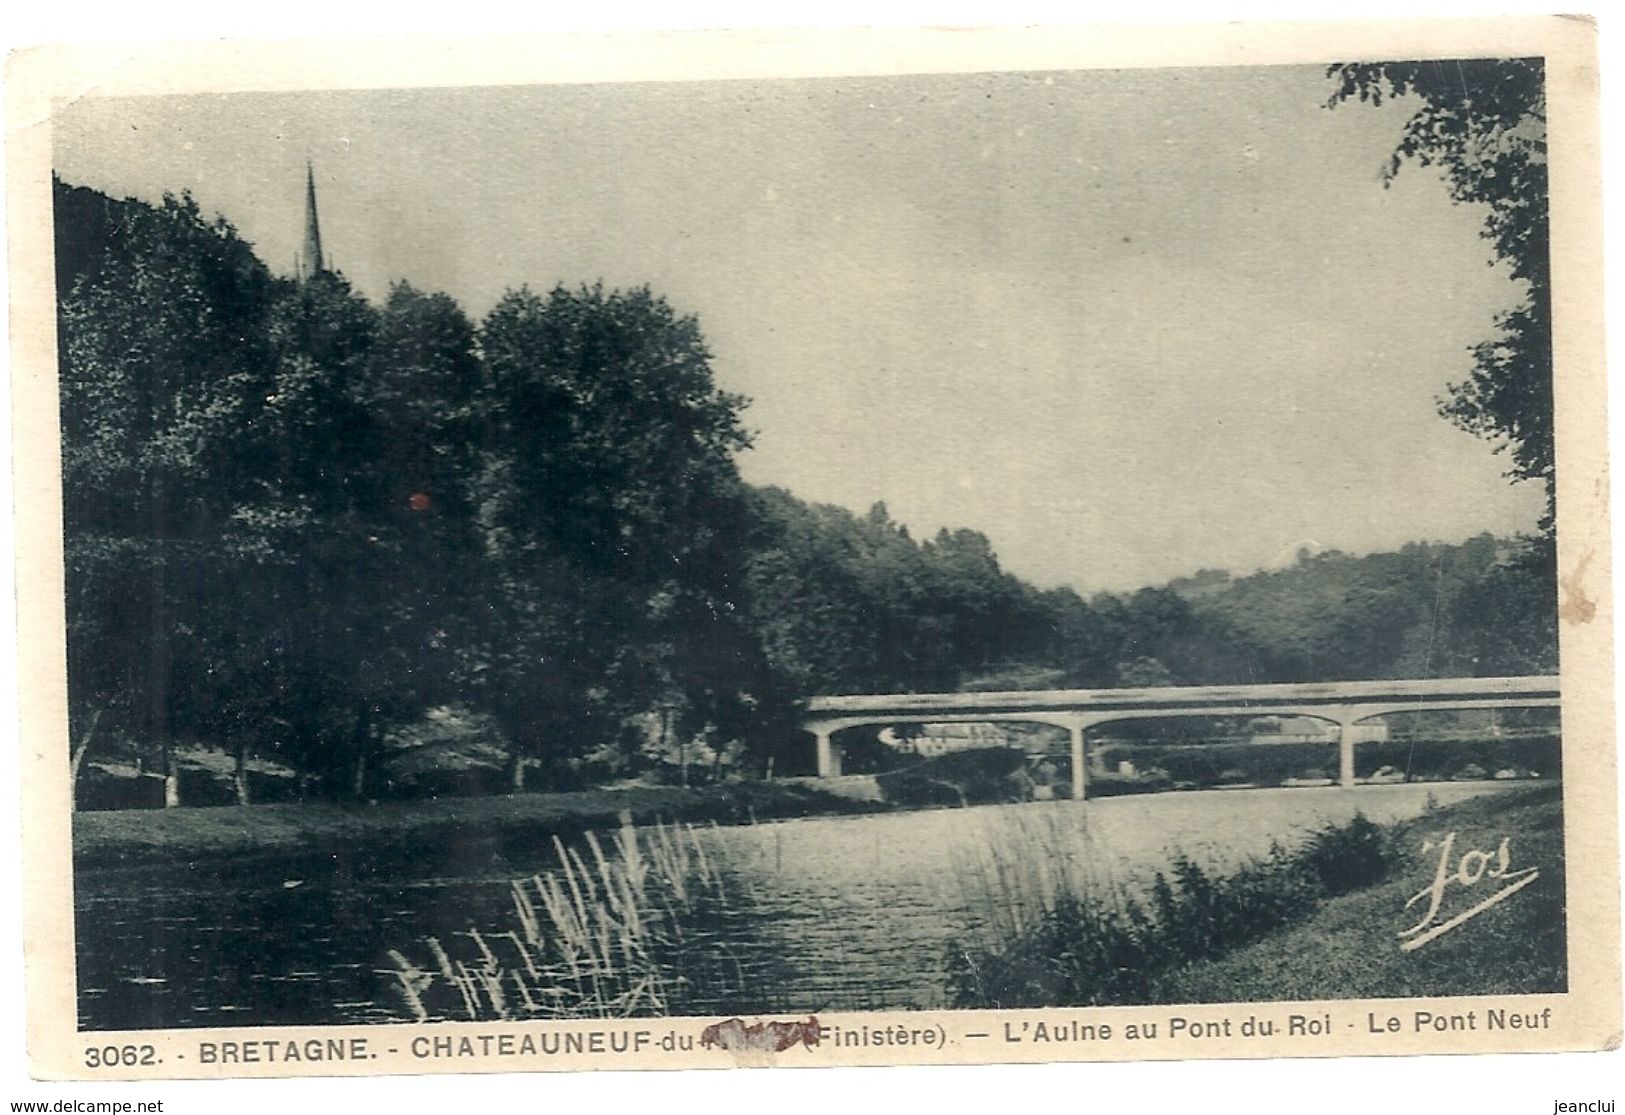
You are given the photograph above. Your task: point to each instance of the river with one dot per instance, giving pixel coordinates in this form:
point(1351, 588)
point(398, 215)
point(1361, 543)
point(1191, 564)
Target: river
point(845, 913)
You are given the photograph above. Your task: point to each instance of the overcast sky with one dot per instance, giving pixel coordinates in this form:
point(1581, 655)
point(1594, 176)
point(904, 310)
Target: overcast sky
point(1128, 324)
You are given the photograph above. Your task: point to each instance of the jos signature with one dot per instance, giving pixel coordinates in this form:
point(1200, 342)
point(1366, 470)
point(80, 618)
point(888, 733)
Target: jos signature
point(1473, 868)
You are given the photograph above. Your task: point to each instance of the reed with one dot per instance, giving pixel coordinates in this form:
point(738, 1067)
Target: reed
point(1023, 864)
point(603, 934)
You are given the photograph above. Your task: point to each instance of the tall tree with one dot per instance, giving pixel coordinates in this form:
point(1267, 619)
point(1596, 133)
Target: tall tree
point(607, 505)
point(162, 327)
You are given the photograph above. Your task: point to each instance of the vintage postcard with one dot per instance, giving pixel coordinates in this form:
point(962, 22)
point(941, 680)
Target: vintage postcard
point(813, 549)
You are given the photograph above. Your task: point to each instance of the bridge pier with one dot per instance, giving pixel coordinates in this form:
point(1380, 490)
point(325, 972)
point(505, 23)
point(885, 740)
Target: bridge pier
point(1080, 774)
point(829, 760)
point(1344, 718)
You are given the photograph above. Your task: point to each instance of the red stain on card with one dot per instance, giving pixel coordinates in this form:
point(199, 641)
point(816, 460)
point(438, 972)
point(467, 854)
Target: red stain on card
point(1576, 606)
point(737, 1035)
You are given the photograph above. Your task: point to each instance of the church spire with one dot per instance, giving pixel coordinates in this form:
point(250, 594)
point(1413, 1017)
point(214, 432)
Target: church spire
point(311, 261)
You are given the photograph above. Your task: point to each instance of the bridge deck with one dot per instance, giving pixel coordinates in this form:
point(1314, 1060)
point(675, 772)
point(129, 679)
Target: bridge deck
point(1422, 691)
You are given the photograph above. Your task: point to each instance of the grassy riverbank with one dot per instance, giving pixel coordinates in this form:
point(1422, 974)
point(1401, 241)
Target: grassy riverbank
point(430, 827)
point(1350, 947)
point(1323, 921)
point(140, 838)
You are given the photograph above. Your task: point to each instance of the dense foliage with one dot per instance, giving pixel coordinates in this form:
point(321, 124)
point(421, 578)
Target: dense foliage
point(1429, 610)
point(298, 524)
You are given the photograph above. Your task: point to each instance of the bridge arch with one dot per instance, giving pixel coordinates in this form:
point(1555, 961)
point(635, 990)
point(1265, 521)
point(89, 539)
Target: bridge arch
point(829, 753)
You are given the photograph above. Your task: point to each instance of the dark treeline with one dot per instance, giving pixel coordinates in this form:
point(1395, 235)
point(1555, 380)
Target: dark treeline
point(296, 522)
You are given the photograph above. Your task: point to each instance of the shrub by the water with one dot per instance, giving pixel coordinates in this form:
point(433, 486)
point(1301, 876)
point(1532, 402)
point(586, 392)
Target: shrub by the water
point(1101, 946)
point(1348, 857)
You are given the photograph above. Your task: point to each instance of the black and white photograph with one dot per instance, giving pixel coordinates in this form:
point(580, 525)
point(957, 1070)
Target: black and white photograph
point(1023, 562)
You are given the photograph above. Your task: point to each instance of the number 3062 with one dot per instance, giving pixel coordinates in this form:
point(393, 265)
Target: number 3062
point(113, 1056)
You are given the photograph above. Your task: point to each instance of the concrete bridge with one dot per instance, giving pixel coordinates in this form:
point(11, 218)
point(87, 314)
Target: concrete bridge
point(1345, 703)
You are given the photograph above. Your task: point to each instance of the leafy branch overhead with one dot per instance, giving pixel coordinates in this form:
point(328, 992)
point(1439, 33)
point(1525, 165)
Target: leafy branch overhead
point(1482, 124)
